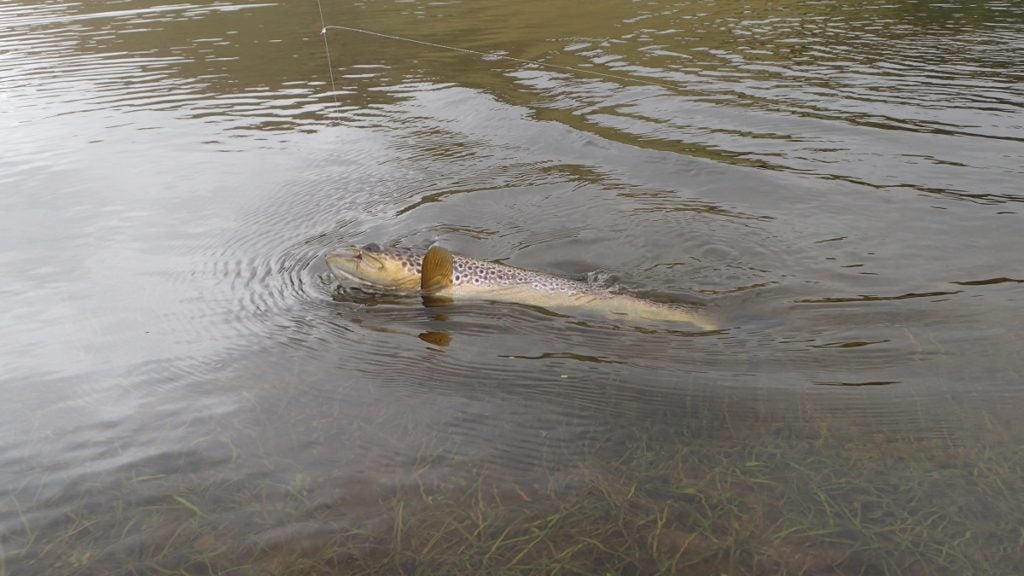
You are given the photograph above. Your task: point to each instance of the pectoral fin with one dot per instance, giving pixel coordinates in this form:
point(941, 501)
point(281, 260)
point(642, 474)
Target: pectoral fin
point(436, 338)
point(436, 276)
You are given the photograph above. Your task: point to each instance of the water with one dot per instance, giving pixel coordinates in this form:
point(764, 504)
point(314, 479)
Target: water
point(839, 182)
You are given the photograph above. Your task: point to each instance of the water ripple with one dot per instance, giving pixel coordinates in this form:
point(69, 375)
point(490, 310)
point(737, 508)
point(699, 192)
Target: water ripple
point(69, 60)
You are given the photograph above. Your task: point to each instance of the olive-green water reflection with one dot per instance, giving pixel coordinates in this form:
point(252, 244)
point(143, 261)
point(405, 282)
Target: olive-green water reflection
point(838, 181)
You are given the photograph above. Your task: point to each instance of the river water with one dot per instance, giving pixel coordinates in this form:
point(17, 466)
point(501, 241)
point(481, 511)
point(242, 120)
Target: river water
point(838, 182)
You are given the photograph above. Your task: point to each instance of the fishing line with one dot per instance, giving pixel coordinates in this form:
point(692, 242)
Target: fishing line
point(327, 49)
point(485, 55)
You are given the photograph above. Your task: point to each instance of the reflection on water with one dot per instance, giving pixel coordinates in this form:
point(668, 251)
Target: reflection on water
point(839, 181)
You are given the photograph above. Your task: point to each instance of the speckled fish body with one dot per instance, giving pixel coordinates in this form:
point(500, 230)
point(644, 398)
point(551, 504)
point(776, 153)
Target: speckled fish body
point(479, 280)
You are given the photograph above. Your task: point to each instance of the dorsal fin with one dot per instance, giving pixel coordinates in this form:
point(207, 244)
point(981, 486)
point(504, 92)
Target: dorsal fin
point(436, 271)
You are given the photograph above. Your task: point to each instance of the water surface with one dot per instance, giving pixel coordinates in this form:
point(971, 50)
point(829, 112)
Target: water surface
point(838, 182)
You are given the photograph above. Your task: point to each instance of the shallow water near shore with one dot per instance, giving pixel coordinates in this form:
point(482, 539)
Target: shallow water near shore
point(838, 183)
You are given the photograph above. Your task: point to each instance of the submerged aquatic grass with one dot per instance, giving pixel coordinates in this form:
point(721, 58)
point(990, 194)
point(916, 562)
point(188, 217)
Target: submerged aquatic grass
point(765, 503)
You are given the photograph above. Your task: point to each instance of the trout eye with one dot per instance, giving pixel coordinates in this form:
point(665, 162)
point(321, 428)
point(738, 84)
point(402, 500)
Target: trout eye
point(371, 247)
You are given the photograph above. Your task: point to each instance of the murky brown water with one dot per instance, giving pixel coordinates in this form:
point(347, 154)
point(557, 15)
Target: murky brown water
point(840, 182)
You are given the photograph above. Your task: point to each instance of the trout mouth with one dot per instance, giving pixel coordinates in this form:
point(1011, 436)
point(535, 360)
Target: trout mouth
point(355, 266)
